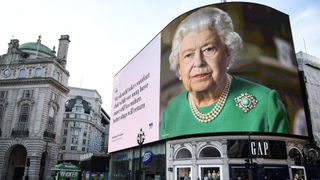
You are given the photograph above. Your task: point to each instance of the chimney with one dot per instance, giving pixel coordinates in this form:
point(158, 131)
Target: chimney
point(63, 49)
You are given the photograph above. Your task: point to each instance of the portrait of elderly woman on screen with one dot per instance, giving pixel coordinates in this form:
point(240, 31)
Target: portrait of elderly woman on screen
point(203, 48)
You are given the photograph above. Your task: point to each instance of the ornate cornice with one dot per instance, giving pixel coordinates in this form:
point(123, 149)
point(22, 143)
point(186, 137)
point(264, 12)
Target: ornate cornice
point(28, 81)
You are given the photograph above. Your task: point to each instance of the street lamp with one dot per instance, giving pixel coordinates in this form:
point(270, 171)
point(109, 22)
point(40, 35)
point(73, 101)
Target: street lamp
point(140, 140)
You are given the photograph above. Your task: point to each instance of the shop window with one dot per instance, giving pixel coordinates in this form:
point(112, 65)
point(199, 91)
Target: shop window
point(208, 172)
point(238, 172)
point(298, 172)
point(183, 173)
point(295, 154)
point(209, 152)
point(183, 154)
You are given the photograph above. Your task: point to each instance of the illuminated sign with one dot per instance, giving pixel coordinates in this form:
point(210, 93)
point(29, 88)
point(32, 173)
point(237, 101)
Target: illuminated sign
point(201, 76)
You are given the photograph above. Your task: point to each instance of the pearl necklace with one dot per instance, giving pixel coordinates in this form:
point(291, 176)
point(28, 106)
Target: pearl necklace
point(208, 117)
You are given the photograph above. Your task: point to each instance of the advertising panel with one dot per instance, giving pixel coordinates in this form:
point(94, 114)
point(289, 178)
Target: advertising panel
point(227, 67)
point(135, 104)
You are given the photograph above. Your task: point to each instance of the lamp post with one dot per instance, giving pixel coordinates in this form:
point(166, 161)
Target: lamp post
point(140, 140)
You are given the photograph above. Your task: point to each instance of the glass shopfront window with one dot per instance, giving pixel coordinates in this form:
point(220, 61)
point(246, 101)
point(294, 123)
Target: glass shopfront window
point(259, 172)
point(298, 172)
point(125, 164)
point(208, 172)
point(183, 173)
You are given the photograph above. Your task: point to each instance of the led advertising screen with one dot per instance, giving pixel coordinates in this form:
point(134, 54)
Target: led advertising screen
point(222, 68)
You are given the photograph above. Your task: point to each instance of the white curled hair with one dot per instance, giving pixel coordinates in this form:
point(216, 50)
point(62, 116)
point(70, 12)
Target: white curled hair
point(208, 17)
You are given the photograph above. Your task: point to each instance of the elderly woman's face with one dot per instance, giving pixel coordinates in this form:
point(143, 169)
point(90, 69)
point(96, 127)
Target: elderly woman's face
point(202, 61)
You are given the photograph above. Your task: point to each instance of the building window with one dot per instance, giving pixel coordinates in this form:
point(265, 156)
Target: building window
point(51, 115)
point(66, 123)
point(73, 148)
point(22, 73)
point(71, 116)
point(38, 72)
point(209, 152)
point(84, 141)
point(27, 93)
point(85, 134)
point(63, 148)
point(54, 97)
point(210, 172)
point(84, 149)
point(296, 156)
point(79, 109)
point(58, 76)
point(64, 140)
point(74, 140)
point(75, 132)
point(78, 116)
point(65, 132)
point(3, 94)
point(1, 113)
point(183, 154)
point(183, 172)
point(24, 117)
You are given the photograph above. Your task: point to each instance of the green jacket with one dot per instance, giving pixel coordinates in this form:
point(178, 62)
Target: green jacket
point(269, 114)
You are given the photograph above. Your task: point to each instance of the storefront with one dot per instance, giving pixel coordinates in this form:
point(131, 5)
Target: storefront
point(234, 157)
point(125, 164)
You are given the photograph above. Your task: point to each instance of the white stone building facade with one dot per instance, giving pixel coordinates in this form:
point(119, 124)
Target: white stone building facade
point(85, 125)
point(33, 91)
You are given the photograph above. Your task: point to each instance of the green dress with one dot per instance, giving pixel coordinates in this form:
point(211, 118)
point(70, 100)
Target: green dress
point(269, 114)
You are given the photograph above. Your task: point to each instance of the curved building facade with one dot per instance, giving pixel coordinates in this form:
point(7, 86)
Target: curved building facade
point(160, 116)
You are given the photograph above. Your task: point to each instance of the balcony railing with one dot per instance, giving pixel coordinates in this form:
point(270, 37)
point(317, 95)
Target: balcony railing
point(49, 135)
point(18, 132)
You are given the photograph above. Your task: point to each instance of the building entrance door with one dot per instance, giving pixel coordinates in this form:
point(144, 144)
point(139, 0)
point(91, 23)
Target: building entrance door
point(16, 162)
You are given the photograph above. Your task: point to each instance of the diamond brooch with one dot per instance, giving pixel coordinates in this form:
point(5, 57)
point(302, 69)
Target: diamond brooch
point(246, 102)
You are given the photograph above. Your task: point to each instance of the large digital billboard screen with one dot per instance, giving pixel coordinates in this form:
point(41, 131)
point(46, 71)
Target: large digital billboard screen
point(227, 67)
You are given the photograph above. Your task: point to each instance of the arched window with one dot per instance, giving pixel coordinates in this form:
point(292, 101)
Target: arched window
point(22, 73)
point(209, 152)
point(51, 116)
point(183, 154)
point(295, 154)
point(24, 117)
point(38, 72)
